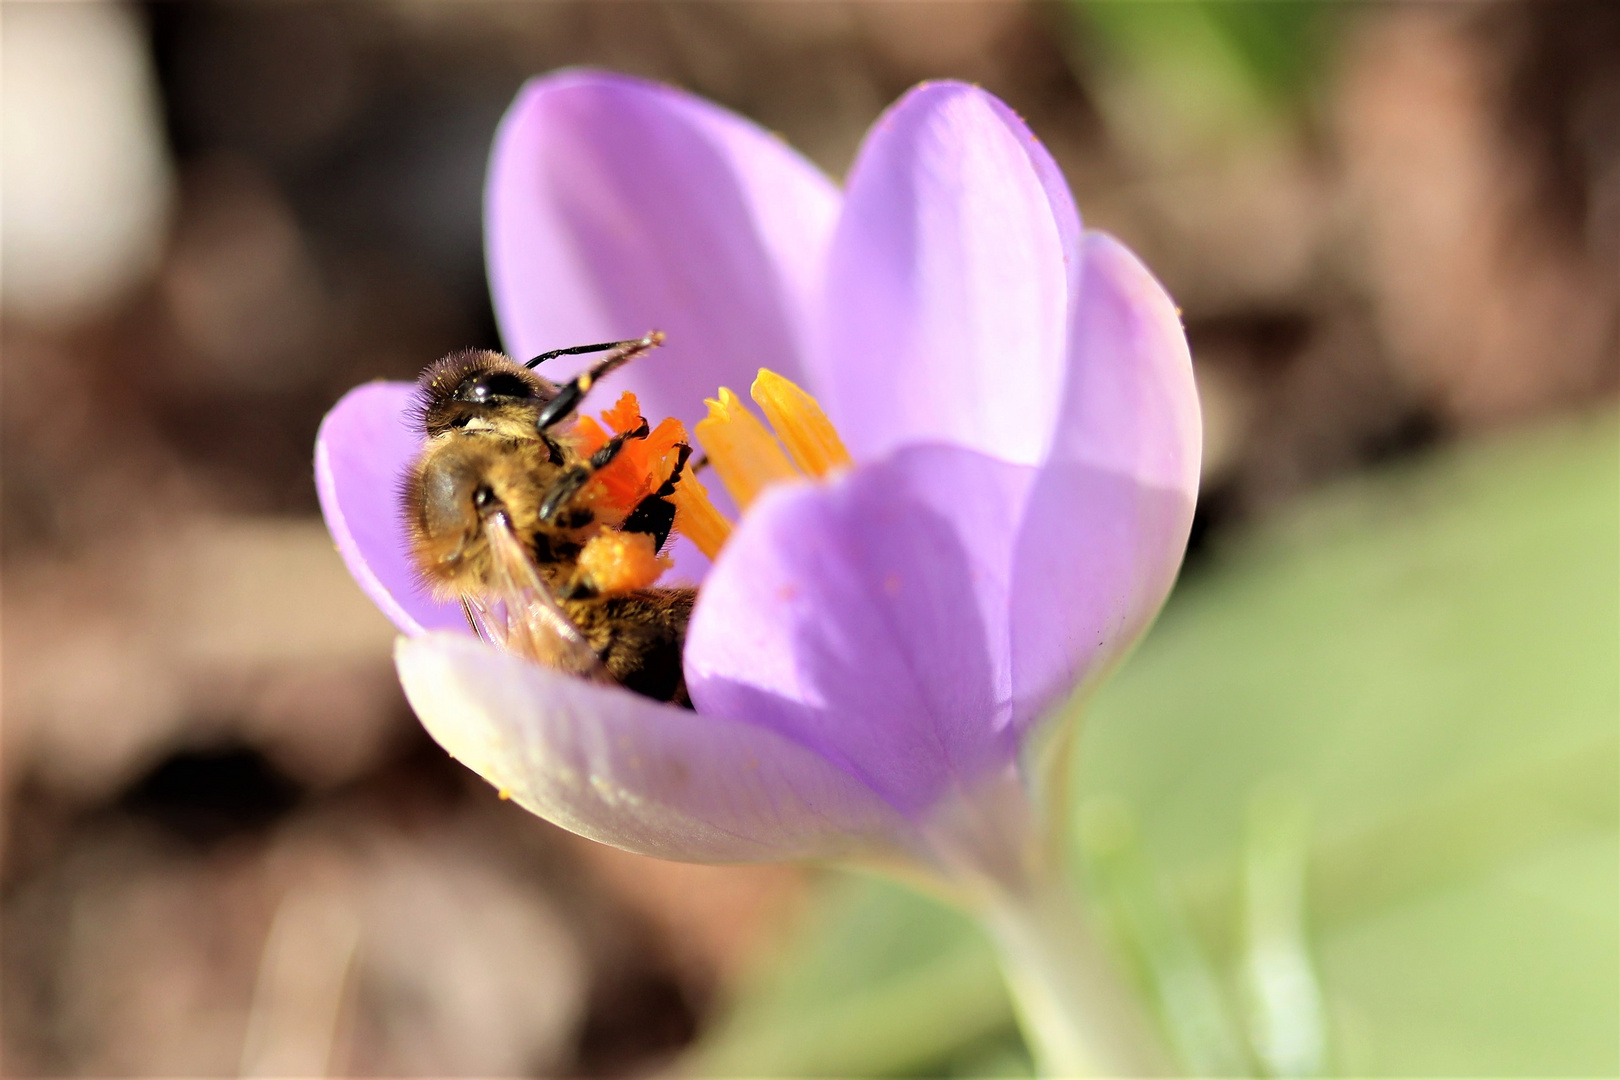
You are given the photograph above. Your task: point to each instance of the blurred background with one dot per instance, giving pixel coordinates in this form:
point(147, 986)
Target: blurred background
point(1351, 809)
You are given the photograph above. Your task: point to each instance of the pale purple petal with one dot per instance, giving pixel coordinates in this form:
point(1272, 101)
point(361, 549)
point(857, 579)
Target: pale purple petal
point(364, 446)
point(948, 288)
point(907, 619)
point(867, 619)
point(1096, 556)
point(1129, 403)
point(615, 206)
point(1065, 214)
point(631, 772)
point(1108, 520)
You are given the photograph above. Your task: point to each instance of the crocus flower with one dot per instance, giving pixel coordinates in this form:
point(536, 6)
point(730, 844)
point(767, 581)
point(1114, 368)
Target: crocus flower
point(873, 653)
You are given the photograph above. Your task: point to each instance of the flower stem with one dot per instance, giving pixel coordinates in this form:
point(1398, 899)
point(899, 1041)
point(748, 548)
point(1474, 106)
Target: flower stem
point(1078, 1016)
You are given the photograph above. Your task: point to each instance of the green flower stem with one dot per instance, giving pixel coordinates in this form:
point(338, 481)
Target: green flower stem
point(1078, 1015)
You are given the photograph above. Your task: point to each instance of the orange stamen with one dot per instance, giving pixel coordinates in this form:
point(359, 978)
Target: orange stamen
point(801, 425)
point(625, 414)
point(642, 465)
point(588, 436)
point(744, 453)
point(695, 516)
point(745, 456)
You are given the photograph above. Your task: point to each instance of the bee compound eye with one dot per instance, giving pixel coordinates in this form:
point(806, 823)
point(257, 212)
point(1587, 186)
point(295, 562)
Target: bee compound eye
point(485, 387)
point(484, 497)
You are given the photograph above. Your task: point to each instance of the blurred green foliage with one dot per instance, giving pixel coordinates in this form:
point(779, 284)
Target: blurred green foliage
point(1278, 46)
point(1351, 808)
point(1192, 82)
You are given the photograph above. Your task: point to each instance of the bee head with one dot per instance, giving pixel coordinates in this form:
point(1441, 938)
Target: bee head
point(453, 491)
point(478, 385)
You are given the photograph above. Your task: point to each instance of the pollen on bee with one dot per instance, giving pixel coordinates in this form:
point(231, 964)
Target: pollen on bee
point(618, 562)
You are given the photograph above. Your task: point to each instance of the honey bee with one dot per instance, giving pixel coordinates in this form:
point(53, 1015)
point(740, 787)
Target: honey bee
point(509, 512)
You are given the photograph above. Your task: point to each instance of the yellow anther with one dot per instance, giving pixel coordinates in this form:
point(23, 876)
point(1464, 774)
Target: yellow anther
point(748, 458)
point(745, 456)
point(799, 422)
point(696, 518)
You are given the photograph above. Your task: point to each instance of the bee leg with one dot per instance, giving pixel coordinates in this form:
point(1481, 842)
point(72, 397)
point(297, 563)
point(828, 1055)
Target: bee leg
point(554, 450)
point(655, 514)
point(567, 485)
point(472, 623)
point(572, 393)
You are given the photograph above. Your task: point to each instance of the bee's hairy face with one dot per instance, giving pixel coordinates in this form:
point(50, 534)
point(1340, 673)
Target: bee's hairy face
point(472, 391)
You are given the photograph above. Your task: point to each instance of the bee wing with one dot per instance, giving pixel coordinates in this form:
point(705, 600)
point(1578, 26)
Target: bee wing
point(523, 616)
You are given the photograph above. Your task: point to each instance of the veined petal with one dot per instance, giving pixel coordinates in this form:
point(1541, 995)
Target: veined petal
point(1107, 522)
point(615, 206)
point(634, 773)
point(949, 283)
point(866, 619)
point(362, 450)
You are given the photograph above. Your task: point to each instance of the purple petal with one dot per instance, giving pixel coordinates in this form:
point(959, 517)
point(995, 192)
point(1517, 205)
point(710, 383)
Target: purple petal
point(867, 620)
point(1108, 520)
point(1095, 559)
point(1129, 403)
point(634, 773)
point(364, 446)
point(615, 206)
point(1065, 214)
point(949, 282)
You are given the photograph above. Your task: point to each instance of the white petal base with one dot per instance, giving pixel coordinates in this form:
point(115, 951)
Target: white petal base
point(643, 776)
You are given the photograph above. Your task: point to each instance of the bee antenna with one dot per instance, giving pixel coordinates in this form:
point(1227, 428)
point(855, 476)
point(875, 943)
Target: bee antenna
point(572, 393)
point(579, 349)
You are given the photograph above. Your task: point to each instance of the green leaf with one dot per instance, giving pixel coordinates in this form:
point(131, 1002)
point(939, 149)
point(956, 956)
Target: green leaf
point(1433, 657)
point(881, 982)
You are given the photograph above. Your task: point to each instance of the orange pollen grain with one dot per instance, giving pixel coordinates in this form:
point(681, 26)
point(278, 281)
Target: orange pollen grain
point(619, 562)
